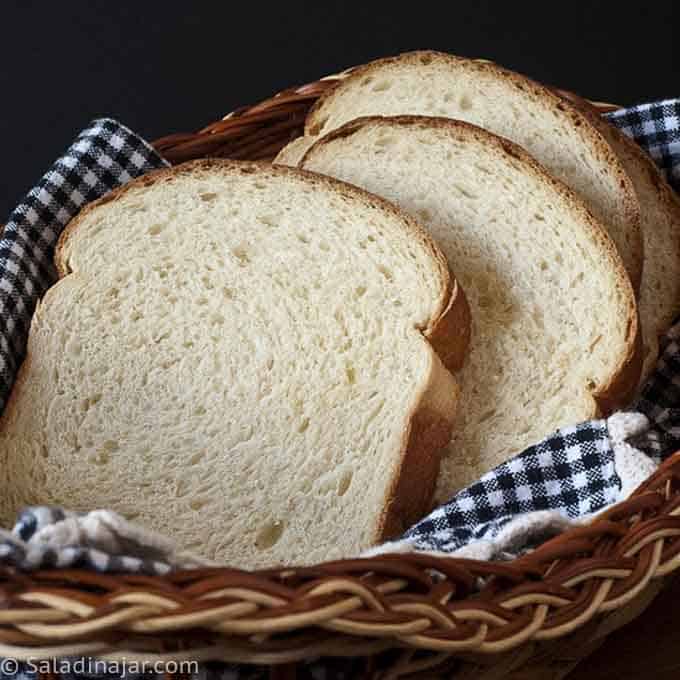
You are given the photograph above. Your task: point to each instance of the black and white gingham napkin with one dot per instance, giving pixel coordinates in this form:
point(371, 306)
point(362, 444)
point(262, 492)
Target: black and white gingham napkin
point(571, 472)
point(103, 157)
point(656, 128)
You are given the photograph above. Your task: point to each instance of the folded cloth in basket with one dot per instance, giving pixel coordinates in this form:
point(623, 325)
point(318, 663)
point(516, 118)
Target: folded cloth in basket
point(566, 478)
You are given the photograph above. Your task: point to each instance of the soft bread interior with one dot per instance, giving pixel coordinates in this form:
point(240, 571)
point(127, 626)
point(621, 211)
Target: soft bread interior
point(505, 103)
point(553, 311)
point(234, 357)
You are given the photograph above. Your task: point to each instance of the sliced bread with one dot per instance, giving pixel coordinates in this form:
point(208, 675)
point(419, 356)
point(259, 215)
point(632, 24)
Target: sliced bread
point(240, 356)
point(292, 153)
point(505, 103)
point(659, 298)
point(554, 323)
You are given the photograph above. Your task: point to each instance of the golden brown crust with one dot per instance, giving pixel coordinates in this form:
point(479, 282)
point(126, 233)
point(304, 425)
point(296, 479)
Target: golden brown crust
point(410, 495)
point(650, 174)
point(617, 390)
point(448, 332)
point(589, 134)
point(621, 389)
point(450, 338)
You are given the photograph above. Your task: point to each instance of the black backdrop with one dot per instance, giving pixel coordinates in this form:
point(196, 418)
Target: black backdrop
point(164, 67)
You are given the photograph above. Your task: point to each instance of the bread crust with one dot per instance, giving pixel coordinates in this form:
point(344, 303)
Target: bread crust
point(429, 425)
point(590, 136)
point(663, 194)
point(428, 432)
point(621, 385)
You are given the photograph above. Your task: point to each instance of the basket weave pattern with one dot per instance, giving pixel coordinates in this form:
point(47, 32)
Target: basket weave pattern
point(353, 607)
point(429, 609)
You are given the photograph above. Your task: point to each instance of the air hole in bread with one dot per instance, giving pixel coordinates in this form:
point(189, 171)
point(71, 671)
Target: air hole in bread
point(303, 239)
point(537, 316)
point(386, 273)
point(345, 482)
point(303, 425)
point(382, 86)
point(155, 229)
point(465, 103)
point(464, 192)
point(241, 255)
point(595, 342)
point(181, 488)
point(385, 140)
point(99, 458)
point(159, 338)
point(111, 445)
point(198, 503)
point(208, 196)
point(267, 221)
point(269, 535)
point(359, 292)
point(169, 363)
point(196, 458)
point(351, 374)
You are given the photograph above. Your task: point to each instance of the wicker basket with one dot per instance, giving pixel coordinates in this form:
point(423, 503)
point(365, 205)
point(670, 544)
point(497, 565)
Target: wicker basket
point(399, 615)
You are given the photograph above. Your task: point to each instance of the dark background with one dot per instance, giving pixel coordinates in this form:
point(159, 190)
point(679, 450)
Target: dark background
point(164, 67)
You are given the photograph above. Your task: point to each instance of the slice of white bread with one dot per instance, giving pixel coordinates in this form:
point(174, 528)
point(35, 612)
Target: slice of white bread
point(240, 356)
point(292, 153)
point(505, 103)
point(554, 322)
point(659, 298)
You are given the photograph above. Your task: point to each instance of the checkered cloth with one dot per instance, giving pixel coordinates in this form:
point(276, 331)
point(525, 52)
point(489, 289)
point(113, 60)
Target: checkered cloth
point(104, 156)
point(572, 472)
point(656, 127)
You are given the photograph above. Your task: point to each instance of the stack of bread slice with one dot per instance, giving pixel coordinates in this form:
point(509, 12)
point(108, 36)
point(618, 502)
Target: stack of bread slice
point(279, 365)
point(614, 178)
point(389, 128)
